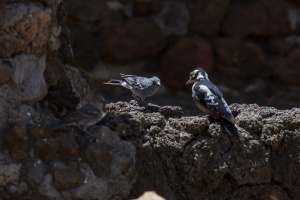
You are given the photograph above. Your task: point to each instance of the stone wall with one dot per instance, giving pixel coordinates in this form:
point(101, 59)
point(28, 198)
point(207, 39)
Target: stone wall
point(134, 149)
point(241, 40)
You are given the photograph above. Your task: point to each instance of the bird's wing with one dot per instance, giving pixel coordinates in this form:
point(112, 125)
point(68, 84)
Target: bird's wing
point(212, 98)
point(86, 112)
point(136, 82)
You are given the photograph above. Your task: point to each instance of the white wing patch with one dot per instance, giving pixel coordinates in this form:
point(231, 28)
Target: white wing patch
point(226, 106)
point(209, 98)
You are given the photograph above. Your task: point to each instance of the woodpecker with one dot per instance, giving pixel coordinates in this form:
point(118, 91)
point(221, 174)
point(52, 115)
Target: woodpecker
point(209, 99)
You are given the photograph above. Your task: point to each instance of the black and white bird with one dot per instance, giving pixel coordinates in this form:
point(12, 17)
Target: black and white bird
point(141, 87)
point(209, 99)
point(88, 115)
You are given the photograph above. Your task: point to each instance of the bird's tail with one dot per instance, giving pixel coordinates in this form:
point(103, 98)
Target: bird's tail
point(232, 129)
point(114, 82)
point(125, 75)
point(117, 82)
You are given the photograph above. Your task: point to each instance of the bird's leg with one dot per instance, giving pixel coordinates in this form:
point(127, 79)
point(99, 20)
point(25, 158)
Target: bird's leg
point(136, 98)
point(142, 102)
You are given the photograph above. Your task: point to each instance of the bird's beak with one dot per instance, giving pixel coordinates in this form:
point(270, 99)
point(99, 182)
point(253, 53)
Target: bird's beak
point(188, 82)
point(157, 83)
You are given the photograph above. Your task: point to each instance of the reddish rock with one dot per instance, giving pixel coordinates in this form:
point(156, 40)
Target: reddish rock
point(92, 11)
point(239, 59)
point(257, 18)
point(174, 18)
point(206, 16)
point(6, 71)
point(59, 148)
point(147, 7)
point(280, 46)
point(99, 157)
point(286, 70)
point(184, 56)
point(136, 39)
point(68, 178)
point(27, 28)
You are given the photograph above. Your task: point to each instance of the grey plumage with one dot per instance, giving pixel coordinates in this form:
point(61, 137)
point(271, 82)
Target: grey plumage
point(209, 99)
point(141, 87)
point(88, 115)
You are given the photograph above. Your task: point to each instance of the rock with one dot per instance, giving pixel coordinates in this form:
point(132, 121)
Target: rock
point(280, 46)
point(6, 71)
point(35, 172)
point(166, 111)
point(251, 166)
point(129, 42)
point(197, 152)
point(27, 82)
point(98, 188)
point(147, 7)
point(92, 11)
point(182, 58)
point(98, 156)
point(284, 69)
point(263, 191)
point(47, 189)
point(27, 27)
point(154, 166)
point(206, 16)
point(285, 173)
point(239, 59)
point(256, 18)
point(173, 19)
point(18, 188)
point(68, 177)
point(56, 148)
point(9, 173)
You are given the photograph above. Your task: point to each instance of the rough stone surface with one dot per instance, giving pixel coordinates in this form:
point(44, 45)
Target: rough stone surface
point(27, 27)
point(171, 23)
point(6, 71)
point(238, 59)
point(280, 46)
point(256, 18)
point(206, 16)
point(285, 69)
point(27, 82)
point(135, 147)
point(86, 11)
point(194, 158)
point(144, 8)
point(183, 57)
point(136, 39)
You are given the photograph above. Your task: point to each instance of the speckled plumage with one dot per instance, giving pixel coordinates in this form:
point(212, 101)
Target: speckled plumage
point(209, 99)
point(88, 115)
point(141, 87)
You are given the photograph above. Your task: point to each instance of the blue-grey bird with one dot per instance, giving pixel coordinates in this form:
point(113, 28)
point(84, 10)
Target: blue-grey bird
point(141, 87)
point(88, 115)
point(209, 99)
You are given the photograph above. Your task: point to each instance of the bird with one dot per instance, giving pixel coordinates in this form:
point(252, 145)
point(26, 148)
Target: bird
point(88, 115)
point(141, 87)
point(210, 100)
